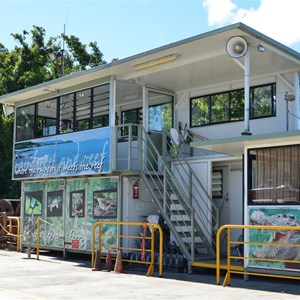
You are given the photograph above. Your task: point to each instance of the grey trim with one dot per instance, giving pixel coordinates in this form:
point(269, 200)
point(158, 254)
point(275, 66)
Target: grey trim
point(248, 139)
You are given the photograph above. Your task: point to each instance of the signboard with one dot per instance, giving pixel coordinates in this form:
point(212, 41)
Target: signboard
point(75, 244)
point(79, 153)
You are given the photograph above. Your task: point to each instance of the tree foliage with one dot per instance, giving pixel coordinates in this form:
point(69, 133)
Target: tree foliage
point(28, 64)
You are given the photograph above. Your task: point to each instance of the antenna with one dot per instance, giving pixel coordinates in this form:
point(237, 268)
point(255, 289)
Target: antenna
point(62, 53)
point(63, 47)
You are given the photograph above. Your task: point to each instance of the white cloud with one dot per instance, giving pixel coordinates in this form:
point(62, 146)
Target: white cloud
point(275, 18)
point(219, 11)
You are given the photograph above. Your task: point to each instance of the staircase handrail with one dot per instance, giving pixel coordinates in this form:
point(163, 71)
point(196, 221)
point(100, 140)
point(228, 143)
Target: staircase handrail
point(181, 160)
point(148, 165)
point(177, 187)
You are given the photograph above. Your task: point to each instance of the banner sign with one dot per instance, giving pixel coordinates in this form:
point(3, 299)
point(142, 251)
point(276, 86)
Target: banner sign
point(78, 153)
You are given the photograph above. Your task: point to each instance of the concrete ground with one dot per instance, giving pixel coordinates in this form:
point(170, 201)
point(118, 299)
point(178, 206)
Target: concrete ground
point(52, 277)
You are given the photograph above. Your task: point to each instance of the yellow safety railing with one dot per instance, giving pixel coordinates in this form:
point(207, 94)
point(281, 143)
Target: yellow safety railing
point(231, 257)
point(150, 238)
point(18, 235)
point(38, 238)
point(14, 229)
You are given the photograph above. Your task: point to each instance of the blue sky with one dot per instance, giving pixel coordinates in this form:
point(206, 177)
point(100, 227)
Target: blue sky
point(126, 27)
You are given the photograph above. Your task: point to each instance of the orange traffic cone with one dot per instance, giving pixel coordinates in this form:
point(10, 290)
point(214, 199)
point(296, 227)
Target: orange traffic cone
point(97, 264)
point(108, 263)
point(118, 264)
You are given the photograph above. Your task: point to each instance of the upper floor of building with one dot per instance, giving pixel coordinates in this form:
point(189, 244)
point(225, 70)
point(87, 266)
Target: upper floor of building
point(216, 85)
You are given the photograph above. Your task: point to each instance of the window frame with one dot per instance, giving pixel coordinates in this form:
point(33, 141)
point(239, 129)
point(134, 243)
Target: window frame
point(21, 116)
point(139, 113)
point(72, 116)
point(268, 178)
point(230, 115)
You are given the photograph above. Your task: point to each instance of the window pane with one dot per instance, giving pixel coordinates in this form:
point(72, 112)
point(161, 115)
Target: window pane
point(46, 117)
point(66, 113)
point(199, 111)
point(83, 109)
point(133, 116)
point(160, 115)
point(25, 123)
point(263, 101)
point(237, 105)
point(101, 106)
point(101, 121)
point(83, 124)
point(220, 108)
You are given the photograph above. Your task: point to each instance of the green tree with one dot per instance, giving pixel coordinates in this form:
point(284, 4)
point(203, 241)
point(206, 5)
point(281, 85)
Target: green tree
point(28, 64)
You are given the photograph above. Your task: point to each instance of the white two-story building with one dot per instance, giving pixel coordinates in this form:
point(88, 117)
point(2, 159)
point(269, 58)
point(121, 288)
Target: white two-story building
point(202, 132)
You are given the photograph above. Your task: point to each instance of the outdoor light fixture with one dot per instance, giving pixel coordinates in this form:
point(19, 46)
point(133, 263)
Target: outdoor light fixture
point(130, 96)
point(54, 56)
point(156, 62)
point(261, 48)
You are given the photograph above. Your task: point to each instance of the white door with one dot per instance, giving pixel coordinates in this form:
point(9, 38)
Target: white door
point(235, 184)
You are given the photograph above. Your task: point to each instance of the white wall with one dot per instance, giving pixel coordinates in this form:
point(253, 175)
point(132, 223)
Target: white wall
point(235, 184)
point(135, 210)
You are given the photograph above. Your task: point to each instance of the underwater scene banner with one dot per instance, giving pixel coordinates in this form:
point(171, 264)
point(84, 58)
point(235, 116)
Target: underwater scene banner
point(80, 153)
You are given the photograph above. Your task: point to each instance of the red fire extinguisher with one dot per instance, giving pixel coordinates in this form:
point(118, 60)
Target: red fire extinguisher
point(136, 191)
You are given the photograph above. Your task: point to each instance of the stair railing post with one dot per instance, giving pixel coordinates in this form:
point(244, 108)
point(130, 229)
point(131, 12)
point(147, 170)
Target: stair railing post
point(115, 147)
point(164, 145)
point(164, 158)
point(129, 145)
point(165, 191)
point(193, 234)
point(140, 133)
point(191, 187)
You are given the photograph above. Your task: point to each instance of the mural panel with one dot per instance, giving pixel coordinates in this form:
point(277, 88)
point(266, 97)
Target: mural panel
point(55, 213)
point(276, 216)
point(76, 222)
point(68, 210)
point(102, 206)
point(33, 208)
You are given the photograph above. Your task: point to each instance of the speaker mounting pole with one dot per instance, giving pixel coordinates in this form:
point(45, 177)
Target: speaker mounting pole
point(236, 48)
point(246, 95)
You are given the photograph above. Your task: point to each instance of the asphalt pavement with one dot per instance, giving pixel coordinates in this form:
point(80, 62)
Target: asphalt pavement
point(52, 277)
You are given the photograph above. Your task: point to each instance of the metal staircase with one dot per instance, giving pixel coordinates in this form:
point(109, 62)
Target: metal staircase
point(182, 200)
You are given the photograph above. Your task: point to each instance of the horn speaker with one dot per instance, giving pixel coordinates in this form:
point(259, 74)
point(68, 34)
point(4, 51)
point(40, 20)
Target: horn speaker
point(236, 47)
